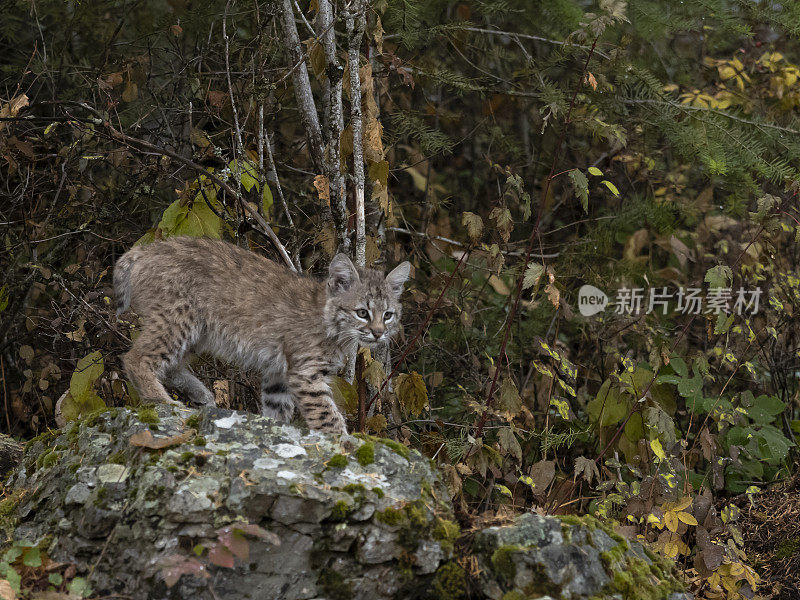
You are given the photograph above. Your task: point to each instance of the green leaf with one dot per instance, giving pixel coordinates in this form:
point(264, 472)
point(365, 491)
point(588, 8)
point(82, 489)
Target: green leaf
point(691, 388)
point(55, 579)
point(201, 221)
point(532, 275)
point(723, 323)
point(595, 171)
point(510, 401)
point(699, 404)
point(80, 587)
point(13, 579)
point(581, 185)
point(266, 199)
point(679, 366)
point(196, 219)
point(719, 276)
point(660, 422)
point(765, 409)
point(509, 443)
point(249, 173)
point(32, 558)
point(608, 406)
point(611, 187)
point(344, 395)
point(82, 398)
point(12, 554)
point(3, 298)
point(774, 443)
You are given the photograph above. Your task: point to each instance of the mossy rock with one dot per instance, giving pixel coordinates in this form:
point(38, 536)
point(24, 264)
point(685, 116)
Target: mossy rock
point(570, 557)
point(354, 518)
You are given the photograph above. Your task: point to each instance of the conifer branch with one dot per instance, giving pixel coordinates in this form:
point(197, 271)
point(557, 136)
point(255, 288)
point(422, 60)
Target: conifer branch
point(715, 111)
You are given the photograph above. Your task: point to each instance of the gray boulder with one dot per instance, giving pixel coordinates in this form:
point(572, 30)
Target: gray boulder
point(170, 502)
point(568, 558)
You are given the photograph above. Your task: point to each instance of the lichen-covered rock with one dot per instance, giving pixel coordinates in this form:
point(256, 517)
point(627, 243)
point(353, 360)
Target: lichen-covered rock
point(235, 503)
point(568, 558)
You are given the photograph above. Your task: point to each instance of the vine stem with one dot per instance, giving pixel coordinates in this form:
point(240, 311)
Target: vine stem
point(481, 422)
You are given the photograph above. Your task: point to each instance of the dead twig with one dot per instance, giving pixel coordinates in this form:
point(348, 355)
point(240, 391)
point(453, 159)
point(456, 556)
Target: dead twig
point(142, 144)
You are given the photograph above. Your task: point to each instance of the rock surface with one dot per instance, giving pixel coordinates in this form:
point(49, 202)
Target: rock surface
point(297, 514)
point(170, 502)
point(568, 558)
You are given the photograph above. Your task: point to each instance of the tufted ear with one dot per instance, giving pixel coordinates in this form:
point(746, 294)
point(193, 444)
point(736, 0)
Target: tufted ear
point(397, 277)
point(342, 275)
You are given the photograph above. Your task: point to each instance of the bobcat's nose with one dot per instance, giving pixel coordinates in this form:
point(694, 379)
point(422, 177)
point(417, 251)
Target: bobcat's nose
point(377, 333)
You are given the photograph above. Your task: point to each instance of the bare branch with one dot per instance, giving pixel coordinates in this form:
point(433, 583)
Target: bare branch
point(238, 149)
point(142, 144)
point(302, 85)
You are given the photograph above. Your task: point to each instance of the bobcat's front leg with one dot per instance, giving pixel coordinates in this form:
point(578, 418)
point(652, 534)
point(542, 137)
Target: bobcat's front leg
point(308, 383)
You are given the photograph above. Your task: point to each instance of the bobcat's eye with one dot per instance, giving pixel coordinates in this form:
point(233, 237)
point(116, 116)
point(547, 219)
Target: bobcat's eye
point(362, 313)
point(388, 315)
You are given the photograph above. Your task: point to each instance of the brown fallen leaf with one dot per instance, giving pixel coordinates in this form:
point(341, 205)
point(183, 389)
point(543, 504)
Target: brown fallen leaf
point(145, 439)
point(323, 188)
point(6, 591)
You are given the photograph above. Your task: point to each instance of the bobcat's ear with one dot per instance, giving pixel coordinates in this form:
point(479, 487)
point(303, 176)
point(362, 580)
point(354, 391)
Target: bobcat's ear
point(397, 277)
point(341, 274)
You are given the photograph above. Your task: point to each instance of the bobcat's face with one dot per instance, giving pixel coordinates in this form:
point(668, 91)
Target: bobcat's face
point(365, 305)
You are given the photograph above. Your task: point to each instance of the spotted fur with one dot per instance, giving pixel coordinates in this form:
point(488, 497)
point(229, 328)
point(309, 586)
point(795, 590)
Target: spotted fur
point(198, 295)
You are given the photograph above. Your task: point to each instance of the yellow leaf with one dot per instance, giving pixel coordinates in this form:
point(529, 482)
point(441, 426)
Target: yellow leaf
point(658, 450)
point(687, 518)
point(671, 520)
point(726, 72)
point(737, 569)
point(683, 503)
point(503, 490)
point(671, 549)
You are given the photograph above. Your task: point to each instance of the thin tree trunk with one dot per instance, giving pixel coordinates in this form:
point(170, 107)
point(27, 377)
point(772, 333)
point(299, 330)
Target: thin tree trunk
point(356, 22)
point(333, 120)
point(302, 86)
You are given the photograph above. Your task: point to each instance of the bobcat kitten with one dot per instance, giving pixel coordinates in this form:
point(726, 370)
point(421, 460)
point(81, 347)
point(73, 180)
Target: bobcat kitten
point(201, 295)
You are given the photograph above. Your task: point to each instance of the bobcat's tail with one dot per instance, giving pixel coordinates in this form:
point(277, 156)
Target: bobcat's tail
point(122, 278)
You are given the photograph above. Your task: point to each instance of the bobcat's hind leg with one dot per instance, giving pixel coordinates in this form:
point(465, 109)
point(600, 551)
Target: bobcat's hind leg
point(158, 350)
point(276, 400)
point(183, 380)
